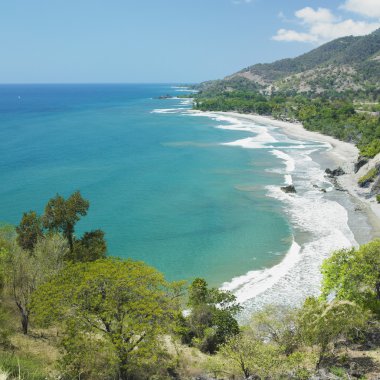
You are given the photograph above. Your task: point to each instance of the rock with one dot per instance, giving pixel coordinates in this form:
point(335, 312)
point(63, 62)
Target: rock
point(288, 189)
point(337, 186)
point(375, 187)
point(335, 173)
point(323, 190)
point(167, 96)
point(359, 163)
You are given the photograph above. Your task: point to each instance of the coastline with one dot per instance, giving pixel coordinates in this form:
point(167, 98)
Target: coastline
point(322, 218)
point(341, 154)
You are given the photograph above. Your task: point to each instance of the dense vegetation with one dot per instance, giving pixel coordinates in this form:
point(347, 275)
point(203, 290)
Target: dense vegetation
point(335, 117)
point(87, 316)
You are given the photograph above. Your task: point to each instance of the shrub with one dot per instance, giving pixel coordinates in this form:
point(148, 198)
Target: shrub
point(367, 178)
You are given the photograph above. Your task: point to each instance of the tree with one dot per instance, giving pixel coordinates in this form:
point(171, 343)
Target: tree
point(277, 324)
point(211, 320)
point(90, 247)
point(323, 323)
point(29, 230)
point(61, 215)
point(25, 271)
point(126, 304)
point(243, 355)
point(354, 274)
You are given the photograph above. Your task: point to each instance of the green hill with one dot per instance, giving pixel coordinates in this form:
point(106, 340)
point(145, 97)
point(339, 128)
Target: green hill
point(343, 65)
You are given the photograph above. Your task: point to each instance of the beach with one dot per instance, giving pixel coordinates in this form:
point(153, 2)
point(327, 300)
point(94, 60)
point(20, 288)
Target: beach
point(325, 215)
point(341, 154)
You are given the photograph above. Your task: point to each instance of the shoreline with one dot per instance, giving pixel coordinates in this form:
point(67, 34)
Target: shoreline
point(322, 218)
point(341, 154)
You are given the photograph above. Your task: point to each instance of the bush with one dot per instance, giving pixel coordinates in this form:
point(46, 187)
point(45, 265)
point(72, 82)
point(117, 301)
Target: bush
point(378, 198)
point(367, 178)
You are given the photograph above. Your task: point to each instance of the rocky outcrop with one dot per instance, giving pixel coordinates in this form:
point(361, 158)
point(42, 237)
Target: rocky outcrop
point(359, 163)
point(335, 172)
point(288, 189)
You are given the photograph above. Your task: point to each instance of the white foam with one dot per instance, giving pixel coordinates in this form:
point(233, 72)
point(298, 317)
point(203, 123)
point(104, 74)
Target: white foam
point(256, 282)
point(289, 161)
point(247, 143)
point(168, 110)
point(288, 179)
point(323, 222)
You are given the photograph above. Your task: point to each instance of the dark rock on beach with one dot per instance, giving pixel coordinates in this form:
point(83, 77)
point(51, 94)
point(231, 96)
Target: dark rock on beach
point(335, 173)
point(359, 163)
point(288, 189)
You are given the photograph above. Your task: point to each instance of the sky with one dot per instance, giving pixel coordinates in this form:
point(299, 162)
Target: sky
point(165, 41)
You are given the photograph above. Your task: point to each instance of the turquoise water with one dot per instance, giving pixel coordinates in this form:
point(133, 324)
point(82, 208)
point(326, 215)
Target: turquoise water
point(160, 185)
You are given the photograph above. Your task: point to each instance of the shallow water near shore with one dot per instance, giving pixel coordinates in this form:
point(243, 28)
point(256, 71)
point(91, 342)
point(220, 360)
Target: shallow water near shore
point(194, 194)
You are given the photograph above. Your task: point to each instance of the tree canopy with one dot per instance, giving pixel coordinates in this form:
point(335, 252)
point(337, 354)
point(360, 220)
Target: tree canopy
point(354, 274)
point(125, 303)
point(62, 214)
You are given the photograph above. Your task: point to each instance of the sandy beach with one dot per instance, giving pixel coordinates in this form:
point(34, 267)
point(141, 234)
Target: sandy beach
point(342, 154)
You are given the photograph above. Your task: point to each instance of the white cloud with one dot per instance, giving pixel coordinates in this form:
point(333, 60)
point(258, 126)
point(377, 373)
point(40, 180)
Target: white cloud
point(292, 35)
point(309, 16)
point(322, 26)
point(368, 8)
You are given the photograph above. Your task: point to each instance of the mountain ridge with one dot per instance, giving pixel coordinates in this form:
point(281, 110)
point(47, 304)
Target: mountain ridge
point(344, 64)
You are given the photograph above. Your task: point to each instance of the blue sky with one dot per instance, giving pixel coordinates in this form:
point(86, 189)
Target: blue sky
point(70, 41)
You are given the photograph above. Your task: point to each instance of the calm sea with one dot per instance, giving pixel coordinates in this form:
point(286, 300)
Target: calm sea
point(160, 182)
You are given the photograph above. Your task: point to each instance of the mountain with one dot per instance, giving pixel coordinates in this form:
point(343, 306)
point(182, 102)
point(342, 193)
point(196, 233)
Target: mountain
point(344, 64)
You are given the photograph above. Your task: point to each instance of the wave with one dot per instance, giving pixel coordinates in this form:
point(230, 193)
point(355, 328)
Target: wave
point(319, 225)
point(289, 161)
point(323, 225)
point(168, 110)
point(255, 282)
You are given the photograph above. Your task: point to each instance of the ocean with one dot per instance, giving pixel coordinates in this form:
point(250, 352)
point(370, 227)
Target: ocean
point(194, 195)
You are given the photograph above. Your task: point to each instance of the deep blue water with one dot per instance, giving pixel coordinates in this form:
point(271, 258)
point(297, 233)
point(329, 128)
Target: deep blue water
point(159, 184)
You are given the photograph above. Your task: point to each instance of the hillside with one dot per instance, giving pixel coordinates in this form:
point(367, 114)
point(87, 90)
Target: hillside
point(343, 65)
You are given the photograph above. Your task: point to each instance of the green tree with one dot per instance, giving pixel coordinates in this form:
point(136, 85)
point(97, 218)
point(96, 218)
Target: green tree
point(354, 274)
point(25, 271)
point(126, 304)
point(92, 246)
point(7, 237)
point(279, 325)
point(29, 230)
point(243, 355)
point(323, 323)
point(211, 320)
point(61, 215)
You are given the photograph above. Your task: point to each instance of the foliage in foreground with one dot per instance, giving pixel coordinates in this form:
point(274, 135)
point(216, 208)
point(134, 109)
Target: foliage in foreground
point(211, 321)
point(119, 308)
point(354, 275)
point(120, 319)
point(272, 348)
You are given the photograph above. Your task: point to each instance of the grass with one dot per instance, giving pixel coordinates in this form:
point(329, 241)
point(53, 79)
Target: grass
point(25, 368)
point(368, 177)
